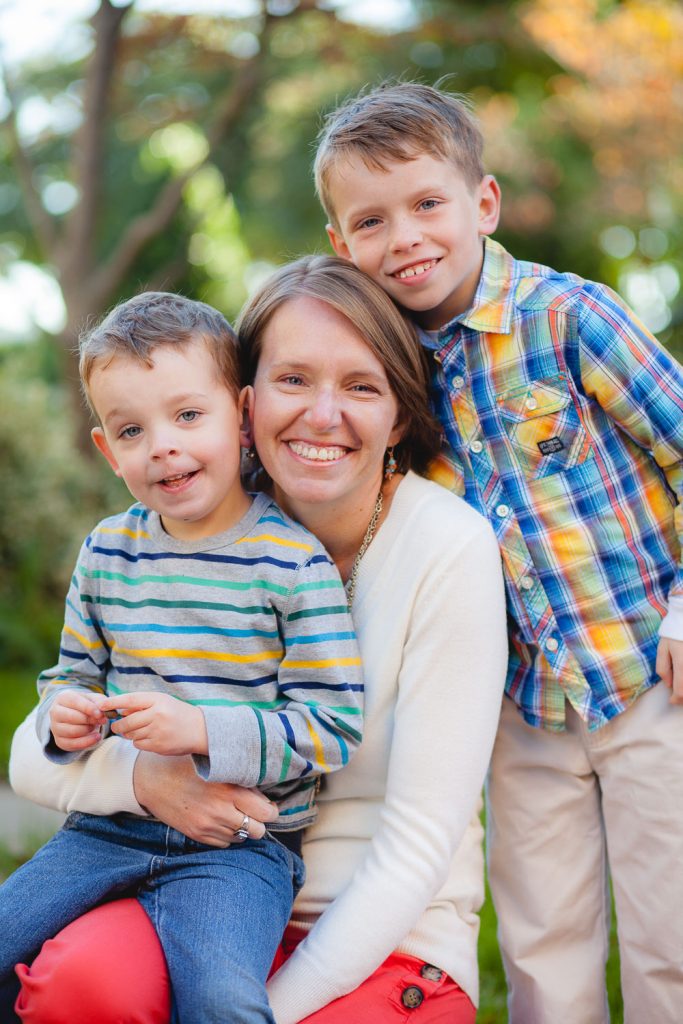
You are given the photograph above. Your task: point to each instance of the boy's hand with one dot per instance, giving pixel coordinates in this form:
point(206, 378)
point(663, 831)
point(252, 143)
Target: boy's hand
point(669, 667)
point(75, 719)
point(158, 722)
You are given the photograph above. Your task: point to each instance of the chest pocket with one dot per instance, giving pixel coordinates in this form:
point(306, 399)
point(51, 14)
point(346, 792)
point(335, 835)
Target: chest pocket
point(543, 427)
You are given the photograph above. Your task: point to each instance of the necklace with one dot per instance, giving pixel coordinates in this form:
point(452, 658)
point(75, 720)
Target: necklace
point(365, 544)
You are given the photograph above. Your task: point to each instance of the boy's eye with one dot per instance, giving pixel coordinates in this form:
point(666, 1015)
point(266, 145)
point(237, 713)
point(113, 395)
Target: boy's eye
point(130, 432)
point(369, 222)
point(189, 416)
point(429, 204)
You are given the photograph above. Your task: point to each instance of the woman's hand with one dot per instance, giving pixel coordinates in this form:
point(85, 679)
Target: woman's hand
point(208, 812)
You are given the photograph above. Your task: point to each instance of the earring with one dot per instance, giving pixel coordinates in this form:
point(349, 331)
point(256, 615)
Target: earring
point(250, 452)
point(390, 464)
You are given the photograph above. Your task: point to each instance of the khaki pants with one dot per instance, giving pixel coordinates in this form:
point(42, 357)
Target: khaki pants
point(565, 811)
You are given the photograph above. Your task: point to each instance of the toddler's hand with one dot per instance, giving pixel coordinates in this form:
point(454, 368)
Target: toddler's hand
point(75, 719)
point(158, 722)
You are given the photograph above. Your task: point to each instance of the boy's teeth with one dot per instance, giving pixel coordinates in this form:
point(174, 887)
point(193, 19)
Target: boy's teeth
point(419, 268)
point(309, 451)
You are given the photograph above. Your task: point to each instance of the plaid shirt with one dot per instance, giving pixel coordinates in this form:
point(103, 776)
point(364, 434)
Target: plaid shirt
point(563, 422)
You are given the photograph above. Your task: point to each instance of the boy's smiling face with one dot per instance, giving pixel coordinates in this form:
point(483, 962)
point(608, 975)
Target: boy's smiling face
point(416, 227)
point(172, 432)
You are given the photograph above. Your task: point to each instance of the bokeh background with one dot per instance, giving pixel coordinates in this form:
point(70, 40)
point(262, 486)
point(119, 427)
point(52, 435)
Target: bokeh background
point(153, 144)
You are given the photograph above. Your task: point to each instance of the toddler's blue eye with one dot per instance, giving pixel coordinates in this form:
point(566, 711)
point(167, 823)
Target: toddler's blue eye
point(189, 416)
point(131, 432)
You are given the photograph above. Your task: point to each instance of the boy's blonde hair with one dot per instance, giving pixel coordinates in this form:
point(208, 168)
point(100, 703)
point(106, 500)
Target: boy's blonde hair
point(387, 333)
point(137, 327)
point(399, 121)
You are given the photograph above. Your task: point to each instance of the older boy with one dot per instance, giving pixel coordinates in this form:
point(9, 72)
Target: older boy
point(215, 626)
point(565, 422)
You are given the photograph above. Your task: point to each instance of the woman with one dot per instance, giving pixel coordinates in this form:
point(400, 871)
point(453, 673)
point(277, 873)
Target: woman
point(388, 916)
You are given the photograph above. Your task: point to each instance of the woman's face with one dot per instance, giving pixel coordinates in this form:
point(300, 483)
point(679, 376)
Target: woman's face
point(322, 412)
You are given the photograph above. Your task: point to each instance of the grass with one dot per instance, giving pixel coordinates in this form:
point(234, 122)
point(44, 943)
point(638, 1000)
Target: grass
point(19, 696)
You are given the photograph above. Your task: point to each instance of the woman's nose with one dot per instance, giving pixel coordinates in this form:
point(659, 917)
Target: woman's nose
point(324, 412)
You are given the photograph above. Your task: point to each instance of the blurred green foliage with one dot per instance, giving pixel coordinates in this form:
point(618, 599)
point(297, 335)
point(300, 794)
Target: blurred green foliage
point(50, 500)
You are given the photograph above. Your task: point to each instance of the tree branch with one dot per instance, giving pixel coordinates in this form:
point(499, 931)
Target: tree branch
point(42, 223)
point(88, 146)
point(144, 228)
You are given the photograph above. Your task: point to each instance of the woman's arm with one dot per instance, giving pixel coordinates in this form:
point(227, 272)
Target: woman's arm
point(450, 688)
point(116, 777)
point(101, 783)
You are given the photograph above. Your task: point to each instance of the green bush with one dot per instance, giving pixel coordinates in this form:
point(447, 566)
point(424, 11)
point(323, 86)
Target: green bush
point(51, 498)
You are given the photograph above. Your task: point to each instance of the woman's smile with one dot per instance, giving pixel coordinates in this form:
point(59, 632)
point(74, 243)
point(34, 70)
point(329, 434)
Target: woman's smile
point(314, 452)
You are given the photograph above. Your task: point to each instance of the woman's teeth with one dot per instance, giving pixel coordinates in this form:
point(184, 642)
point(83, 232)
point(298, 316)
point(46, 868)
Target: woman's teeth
point(309, 451)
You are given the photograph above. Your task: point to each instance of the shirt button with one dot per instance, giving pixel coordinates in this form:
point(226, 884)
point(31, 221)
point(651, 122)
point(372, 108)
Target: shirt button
point(430, 972)
point(502, 511)
point(531, 403)
point(526, 582)
point(551, 644)
point(458, 382)
point(476, 447)
point(412, 996)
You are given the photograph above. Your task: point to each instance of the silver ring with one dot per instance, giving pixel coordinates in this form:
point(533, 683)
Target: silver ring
point(242, 832)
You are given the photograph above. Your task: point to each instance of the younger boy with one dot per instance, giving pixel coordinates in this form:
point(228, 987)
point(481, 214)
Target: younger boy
point(214, 626)
point(565, 421)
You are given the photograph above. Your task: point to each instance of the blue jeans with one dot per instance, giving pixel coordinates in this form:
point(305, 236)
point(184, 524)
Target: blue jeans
point(219, 913)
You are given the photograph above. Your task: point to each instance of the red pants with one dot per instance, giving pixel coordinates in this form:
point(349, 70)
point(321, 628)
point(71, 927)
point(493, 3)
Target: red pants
point(108, 967)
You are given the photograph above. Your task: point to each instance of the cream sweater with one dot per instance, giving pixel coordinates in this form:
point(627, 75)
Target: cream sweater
point(394, 860)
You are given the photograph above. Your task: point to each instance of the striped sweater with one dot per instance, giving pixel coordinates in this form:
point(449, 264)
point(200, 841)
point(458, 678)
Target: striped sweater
point(252, 625)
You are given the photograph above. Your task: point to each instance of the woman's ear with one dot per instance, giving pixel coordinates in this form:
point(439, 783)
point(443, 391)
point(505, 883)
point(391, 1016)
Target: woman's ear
point(398, 430)
point(100, 442)
point(245, 406)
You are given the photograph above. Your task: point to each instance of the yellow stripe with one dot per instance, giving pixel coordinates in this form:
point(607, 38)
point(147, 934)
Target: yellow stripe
point(317, 746)
point(124, 530)
point(92, 644)
point(276, 540)
point(208, 655)
point(324, 663)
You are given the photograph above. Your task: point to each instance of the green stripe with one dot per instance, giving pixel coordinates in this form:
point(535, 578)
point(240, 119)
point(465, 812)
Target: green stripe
point(254, 609)
point(311, 613)
point(347, 730)
point(330, 584)
point(101, 574)
point(262, 732)
point(265, 705)
point(285, 762)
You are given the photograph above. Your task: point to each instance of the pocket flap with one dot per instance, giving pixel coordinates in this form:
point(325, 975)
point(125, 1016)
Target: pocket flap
point(538, 398)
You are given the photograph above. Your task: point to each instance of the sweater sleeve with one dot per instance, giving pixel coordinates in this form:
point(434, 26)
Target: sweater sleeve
point(450, 690)
point(83, 657)
point(315, 723)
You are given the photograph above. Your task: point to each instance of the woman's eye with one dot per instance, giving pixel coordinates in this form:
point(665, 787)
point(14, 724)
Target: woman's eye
point(363, 388)
point(292, 378)
point(130, 432)
point(189, 416)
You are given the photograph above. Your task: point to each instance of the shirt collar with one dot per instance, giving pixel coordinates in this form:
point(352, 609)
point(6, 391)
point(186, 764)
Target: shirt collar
point(493, 305)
